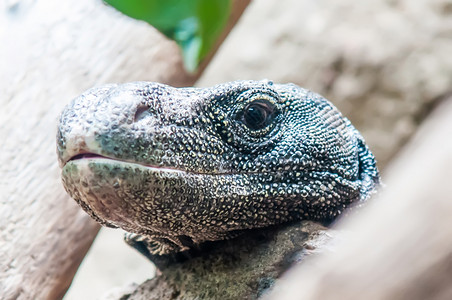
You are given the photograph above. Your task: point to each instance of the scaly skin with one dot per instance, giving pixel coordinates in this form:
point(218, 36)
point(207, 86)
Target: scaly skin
point(180, 166)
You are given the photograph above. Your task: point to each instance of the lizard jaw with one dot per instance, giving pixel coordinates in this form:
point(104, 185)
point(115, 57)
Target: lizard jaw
point(97, 184)
point(111, 191)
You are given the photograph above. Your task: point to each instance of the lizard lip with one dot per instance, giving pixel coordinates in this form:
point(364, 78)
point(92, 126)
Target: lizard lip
point(94, 156)
point(89, 156)
point(85, 155)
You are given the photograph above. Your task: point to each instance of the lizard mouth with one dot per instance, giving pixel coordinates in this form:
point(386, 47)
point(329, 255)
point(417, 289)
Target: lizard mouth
point(97, 157)
point(85, 155)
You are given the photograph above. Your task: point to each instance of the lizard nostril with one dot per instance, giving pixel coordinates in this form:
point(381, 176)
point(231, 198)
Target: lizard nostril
point(141, 112)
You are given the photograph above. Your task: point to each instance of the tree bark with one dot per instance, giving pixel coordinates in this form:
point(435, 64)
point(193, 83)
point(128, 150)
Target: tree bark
point(245, 267)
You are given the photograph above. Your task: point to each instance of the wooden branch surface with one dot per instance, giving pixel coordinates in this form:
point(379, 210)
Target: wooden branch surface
point(401, 246)
point(52, 51)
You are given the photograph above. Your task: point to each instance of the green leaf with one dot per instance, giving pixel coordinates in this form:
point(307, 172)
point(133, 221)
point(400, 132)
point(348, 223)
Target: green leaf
point(195, 25)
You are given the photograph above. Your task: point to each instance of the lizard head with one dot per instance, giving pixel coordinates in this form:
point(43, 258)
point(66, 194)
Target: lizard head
point(185, 165)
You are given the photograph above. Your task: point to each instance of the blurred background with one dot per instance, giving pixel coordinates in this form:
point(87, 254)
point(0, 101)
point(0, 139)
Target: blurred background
point(384, 63)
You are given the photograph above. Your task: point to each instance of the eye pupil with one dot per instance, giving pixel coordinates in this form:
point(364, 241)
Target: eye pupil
point(258, 114)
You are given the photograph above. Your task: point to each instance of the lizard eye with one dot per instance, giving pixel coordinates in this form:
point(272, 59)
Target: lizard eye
point(259, 114)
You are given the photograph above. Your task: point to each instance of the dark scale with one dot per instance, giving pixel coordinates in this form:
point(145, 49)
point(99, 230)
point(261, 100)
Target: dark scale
point(177, 167)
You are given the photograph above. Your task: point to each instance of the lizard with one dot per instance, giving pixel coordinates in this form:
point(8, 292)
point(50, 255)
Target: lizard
point(177, 167)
